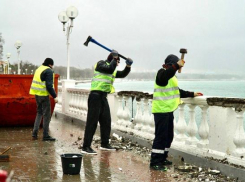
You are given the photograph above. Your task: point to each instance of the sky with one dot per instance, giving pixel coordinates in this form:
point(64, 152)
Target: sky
point(147, 31)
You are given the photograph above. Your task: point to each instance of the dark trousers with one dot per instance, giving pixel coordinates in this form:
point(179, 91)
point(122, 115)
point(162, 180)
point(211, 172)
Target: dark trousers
point(98, 111)
point(43, 111)
point(164, 134)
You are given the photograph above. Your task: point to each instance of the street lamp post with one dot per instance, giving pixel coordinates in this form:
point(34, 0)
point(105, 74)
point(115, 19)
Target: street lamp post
point(8, 55)
point(71, 13)
point(26, 71)
point(18, 44)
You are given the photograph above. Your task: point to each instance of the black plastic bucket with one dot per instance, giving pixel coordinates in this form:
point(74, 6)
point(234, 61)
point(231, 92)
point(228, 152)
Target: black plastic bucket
point(71, 163)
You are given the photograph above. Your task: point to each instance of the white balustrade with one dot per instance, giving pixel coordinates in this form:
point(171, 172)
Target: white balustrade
point(218, 132)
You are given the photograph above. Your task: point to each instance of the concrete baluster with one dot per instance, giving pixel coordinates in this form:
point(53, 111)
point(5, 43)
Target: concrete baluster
point(136, 118)
point(203, 129)
point(86, 95)
point(83, 104)
point(119, 113)
point(143, 118)
point(239, 135)
point(79, 103)
point(152, 123)
point(59, 104)
point(147, 119)
point(66, 95)
point(125, 115)
point(139, 119)
point(71, 101)
point(128, 118)
point(192, 127)
point(181, 126)
point(76, 102)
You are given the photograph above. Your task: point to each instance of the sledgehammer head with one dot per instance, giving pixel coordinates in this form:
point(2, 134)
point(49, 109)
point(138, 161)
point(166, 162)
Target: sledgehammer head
point(87, 41)
point(183, 51)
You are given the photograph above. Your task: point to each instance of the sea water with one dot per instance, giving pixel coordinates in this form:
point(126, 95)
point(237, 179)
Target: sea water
point(222, 88)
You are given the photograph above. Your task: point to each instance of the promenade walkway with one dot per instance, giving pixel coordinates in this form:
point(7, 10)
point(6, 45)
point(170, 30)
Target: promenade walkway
point(36, 161)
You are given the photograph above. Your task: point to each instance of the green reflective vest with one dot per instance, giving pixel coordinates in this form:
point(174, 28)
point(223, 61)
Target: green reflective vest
point(103, 82)
point(166, 99)
point(38, 87)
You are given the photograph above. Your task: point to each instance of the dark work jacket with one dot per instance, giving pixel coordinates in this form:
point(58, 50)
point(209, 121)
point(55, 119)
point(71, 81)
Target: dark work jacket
point(47, 76)
point(109, 69)
point(164, 74)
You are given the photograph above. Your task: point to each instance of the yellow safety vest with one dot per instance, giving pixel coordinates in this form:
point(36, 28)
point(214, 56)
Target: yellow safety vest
point(166, 99)
point(103, 82)
point(38, 87)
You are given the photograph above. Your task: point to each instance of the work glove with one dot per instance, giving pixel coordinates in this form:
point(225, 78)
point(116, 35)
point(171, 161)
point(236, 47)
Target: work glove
point(114, 54)
point(56, 100)
point(129, 61)
point(198, 94)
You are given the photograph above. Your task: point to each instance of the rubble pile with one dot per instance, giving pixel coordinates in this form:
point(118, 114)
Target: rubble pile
point(180, 171)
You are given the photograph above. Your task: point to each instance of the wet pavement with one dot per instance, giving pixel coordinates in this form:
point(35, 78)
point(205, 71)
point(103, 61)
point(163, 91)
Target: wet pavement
point(36, 160)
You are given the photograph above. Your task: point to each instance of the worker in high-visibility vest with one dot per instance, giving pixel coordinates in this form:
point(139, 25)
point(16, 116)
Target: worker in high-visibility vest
point(42, 86)
point(98, 107)
point(166, 99)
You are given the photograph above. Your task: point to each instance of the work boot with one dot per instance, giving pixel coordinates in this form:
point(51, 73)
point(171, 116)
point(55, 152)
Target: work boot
point(48, 138)
point(88, 150)
point(167, 162)
point(158, 167)
point(107, 147)
point(34, 137)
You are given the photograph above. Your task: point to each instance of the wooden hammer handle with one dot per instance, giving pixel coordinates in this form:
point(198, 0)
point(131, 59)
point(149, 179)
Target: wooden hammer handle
point(5, 150)
point(182, 57)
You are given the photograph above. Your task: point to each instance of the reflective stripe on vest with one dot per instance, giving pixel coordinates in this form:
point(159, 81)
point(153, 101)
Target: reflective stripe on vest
point(166, 99)
point(38, 87)
point(103, 82)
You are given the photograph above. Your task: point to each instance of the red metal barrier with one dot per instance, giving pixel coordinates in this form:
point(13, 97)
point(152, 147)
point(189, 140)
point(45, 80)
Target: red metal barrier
point(17, 106)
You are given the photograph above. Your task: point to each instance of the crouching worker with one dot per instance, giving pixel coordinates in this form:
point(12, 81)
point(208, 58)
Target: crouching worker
point(166, 99)
point(42, 86)
point(98, 107)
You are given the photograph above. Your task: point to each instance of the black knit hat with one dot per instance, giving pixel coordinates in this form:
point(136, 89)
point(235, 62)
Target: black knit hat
point(48, 61)
point(171, 59)
point(110, 57)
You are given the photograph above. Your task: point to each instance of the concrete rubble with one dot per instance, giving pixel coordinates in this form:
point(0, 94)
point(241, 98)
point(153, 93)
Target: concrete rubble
point(182, 170)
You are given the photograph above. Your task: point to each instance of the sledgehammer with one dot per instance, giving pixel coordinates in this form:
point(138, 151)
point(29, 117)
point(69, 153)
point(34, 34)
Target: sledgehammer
point(183, 52)
point(90, 39)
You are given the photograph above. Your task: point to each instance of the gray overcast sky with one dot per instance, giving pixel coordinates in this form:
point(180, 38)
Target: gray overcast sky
point(147, 31)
